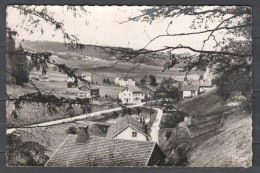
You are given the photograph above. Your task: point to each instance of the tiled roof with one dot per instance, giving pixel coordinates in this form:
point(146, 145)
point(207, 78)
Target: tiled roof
point(133, 89)
point(84, 88)
point(152, 88)
point(190, 87)
point(99, 151)
point(123, 123)
point(206, 83)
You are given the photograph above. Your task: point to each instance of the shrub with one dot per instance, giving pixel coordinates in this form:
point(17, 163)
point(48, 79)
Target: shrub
point(72, 129)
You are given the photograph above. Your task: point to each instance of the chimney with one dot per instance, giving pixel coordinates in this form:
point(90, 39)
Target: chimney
point(83, 135)
point(145, 128)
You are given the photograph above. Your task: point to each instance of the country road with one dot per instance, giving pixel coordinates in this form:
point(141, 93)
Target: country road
point(67, 120)
point(155, 127)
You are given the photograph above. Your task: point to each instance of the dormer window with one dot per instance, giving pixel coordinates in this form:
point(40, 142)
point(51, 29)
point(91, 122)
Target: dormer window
point(134, 134)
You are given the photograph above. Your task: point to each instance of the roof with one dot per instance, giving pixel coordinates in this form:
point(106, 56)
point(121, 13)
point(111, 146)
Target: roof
point(85, 74)
point(99, 151)
point(134, 89)
point(86, 88)
point(205, 83)
point(123, 123)
point(190, 87)
point(152, 88)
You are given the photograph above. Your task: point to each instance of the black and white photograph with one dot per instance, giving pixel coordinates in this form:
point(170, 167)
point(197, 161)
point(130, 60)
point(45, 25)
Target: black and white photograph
point(128, 86)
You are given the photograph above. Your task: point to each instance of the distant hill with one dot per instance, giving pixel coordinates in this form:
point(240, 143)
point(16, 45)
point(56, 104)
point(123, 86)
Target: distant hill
point(93, 51)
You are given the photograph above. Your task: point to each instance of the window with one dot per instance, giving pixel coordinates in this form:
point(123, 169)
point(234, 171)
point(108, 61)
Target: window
point(134, 134)
point(192, 92)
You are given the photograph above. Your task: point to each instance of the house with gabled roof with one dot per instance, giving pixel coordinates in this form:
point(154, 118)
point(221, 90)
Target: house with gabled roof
point(126, 81)
point(190, 90)
point(129, 128)
point(83, 150)
point(204, 85)
point(147, 91)
point(130, 94)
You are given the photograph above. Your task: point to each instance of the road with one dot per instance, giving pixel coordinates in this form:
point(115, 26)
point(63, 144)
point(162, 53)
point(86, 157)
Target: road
point(72, 119)
point(155, 127)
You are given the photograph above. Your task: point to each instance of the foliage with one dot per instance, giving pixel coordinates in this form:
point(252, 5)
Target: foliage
point(153, 81)
point(143, 80)
point(227, 55)
point(21, 153)
point(17, 66)
point(72, 129)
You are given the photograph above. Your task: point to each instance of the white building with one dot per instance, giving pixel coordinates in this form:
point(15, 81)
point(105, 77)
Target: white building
point(86, 76)
point(131, 94)
point(126, 81)
point(190, 90)
point(84, 91)
point(205, 85)
point(128, 128)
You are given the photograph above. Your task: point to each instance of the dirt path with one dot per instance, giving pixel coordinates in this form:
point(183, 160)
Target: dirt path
point(155, 128)
point(67, 120)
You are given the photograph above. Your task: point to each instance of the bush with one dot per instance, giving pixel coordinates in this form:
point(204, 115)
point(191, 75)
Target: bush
point(72, 129)
point(20, 153)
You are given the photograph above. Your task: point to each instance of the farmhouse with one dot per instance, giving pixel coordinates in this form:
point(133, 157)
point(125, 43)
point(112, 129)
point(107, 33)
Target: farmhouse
point(147, 91)
point(190, 90)
point(94, 92)
point(204, 85)
point(84, 150)
point(84, 91)
point(129, 128)
point(86, 76)
point(126, 81)
point(130, 94)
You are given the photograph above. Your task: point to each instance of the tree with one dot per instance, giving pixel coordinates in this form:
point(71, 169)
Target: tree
point(230, 54)
point(104, 80)
point(28, 153)
point(153, 81)
point(170, 90)
point(17, 64)
point(143, 81)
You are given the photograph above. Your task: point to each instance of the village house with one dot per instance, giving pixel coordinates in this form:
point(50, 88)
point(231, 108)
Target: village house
point(94, 92)
point(86, 76)
point(147, 91)
point(204, 85)
point(131, 94)
point(84, 91)
point(129, 128)
point(190, 90)
point(83, 150)
point(126, 81)
point(87, 91)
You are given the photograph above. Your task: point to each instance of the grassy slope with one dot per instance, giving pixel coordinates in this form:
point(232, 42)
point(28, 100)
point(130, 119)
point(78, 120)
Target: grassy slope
point(213, 144)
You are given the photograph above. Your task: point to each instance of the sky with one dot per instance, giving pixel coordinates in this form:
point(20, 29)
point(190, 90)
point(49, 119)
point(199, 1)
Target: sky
point(101, 25)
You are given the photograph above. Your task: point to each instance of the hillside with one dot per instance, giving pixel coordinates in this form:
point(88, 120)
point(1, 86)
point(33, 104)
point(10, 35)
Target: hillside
point(215, 135)
point(58, 48)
